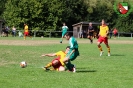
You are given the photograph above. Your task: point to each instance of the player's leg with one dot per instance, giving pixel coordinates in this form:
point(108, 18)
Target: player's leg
point(53, 63)
point(24, 36)
point(91, 38)
point(30, 35)
point(100, 40)
point(107, 45)
point(47, 66)
point(61, 38)
point(68, 60)
point(63, 34)
point(68, 64)
point(61, 68)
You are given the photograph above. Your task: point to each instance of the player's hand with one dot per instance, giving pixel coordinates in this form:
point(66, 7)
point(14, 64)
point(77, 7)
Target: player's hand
point(43, 55)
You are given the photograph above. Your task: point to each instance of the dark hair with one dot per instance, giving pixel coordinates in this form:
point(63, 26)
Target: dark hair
point(68, 47)
point(68, 34)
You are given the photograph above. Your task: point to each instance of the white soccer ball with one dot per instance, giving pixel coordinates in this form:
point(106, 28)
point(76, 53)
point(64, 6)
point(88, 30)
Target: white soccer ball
point(23, 64)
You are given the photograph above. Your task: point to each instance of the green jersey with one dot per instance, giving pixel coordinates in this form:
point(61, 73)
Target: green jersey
point(64, 29)
point(73, 43)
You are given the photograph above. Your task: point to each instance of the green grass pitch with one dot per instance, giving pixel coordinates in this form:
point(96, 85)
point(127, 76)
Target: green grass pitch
point(93, 71)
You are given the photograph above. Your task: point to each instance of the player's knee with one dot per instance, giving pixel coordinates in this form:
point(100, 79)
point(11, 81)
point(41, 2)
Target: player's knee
point(61, 68)
point(98, 43)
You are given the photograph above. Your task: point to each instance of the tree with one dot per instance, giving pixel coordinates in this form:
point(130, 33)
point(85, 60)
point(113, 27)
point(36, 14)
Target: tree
point(2, 7)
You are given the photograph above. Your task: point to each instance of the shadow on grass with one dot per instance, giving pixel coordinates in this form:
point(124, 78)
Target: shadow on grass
point(80, 70)
point(85, 71)
point(117, 55)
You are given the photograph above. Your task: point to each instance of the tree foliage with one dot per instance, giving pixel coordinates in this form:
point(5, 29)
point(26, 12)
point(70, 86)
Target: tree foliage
point(49, 15)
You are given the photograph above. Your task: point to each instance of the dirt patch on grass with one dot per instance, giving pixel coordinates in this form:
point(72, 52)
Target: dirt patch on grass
point(47, 42)
point(4, 63)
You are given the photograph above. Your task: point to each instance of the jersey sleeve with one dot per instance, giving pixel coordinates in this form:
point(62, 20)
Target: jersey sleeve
point(58, 53)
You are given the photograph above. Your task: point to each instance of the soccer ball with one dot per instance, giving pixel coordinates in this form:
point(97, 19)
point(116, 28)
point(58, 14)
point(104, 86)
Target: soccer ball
point(23, 64)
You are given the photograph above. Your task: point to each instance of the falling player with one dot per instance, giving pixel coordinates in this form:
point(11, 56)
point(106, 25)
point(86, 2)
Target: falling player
point(57, 63)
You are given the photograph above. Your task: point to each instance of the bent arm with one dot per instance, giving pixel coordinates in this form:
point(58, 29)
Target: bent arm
point(71, 53)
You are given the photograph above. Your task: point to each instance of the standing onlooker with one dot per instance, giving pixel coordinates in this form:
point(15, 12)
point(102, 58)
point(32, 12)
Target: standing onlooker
point(90, 32)
point(81, 34)
point(6, 31)
point(104, 30)
point(115, 32)
point(13, 31)
point(64, 31)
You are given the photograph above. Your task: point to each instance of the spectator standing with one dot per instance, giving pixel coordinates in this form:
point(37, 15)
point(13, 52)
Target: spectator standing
point(115, 32)
point(13, 31)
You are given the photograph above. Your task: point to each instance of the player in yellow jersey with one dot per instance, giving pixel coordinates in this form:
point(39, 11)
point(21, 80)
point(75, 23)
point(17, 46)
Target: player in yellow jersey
point(26, 31)
point(57, 63)
point(104, 30)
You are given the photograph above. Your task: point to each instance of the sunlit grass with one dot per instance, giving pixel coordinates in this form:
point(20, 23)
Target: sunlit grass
point(93, 71)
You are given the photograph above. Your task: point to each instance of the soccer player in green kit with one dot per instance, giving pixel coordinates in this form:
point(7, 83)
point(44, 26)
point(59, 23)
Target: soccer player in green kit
point(72, 53)
point(64, 31)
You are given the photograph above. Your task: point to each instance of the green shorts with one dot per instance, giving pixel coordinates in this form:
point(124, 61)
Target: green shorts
point(74, 55)
point(63, 33)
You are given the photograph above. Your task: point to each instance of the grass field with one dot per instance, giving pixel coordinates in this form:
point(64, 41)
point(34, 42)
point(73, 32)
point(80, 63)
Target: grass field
point(93, 71)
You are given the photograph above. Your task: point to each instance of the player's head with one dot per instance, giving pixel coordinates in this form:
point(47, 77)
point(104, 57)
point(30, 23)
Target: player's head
point(64, 24)
point(103, 22)
point(67, 49)
point(90, 24)
point(68, 35)
point(25, 24)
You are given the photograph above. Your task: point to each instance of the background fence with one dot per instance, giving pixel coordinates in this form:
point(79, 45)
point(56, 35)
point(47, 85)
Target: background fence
point(56, 34)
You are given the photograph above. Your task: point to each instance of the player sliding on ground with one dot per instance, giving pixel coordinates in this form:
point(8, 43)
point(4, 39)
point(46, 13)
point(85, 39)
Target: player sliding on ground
point(57, 63)
point(103, 33)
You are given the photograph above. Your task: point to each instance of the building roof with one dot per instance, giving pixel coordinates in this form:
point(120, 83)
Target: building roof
point(86, 23)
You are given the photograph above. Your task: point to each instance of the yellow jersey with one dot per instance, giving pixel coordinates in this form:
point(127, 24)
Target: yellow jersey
point(103, 30)
point(62, 55)
point(26, 28)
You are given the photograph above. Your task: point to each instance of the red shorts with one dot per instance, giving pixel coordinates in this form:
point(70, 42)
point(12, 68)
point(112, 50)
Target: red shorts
point(103, 39)
point(57, 65)
point(26, 33)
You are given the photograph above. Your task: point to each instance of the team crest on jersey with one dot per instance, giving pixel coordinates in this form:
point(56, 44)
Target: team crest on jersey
point(123, 9)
